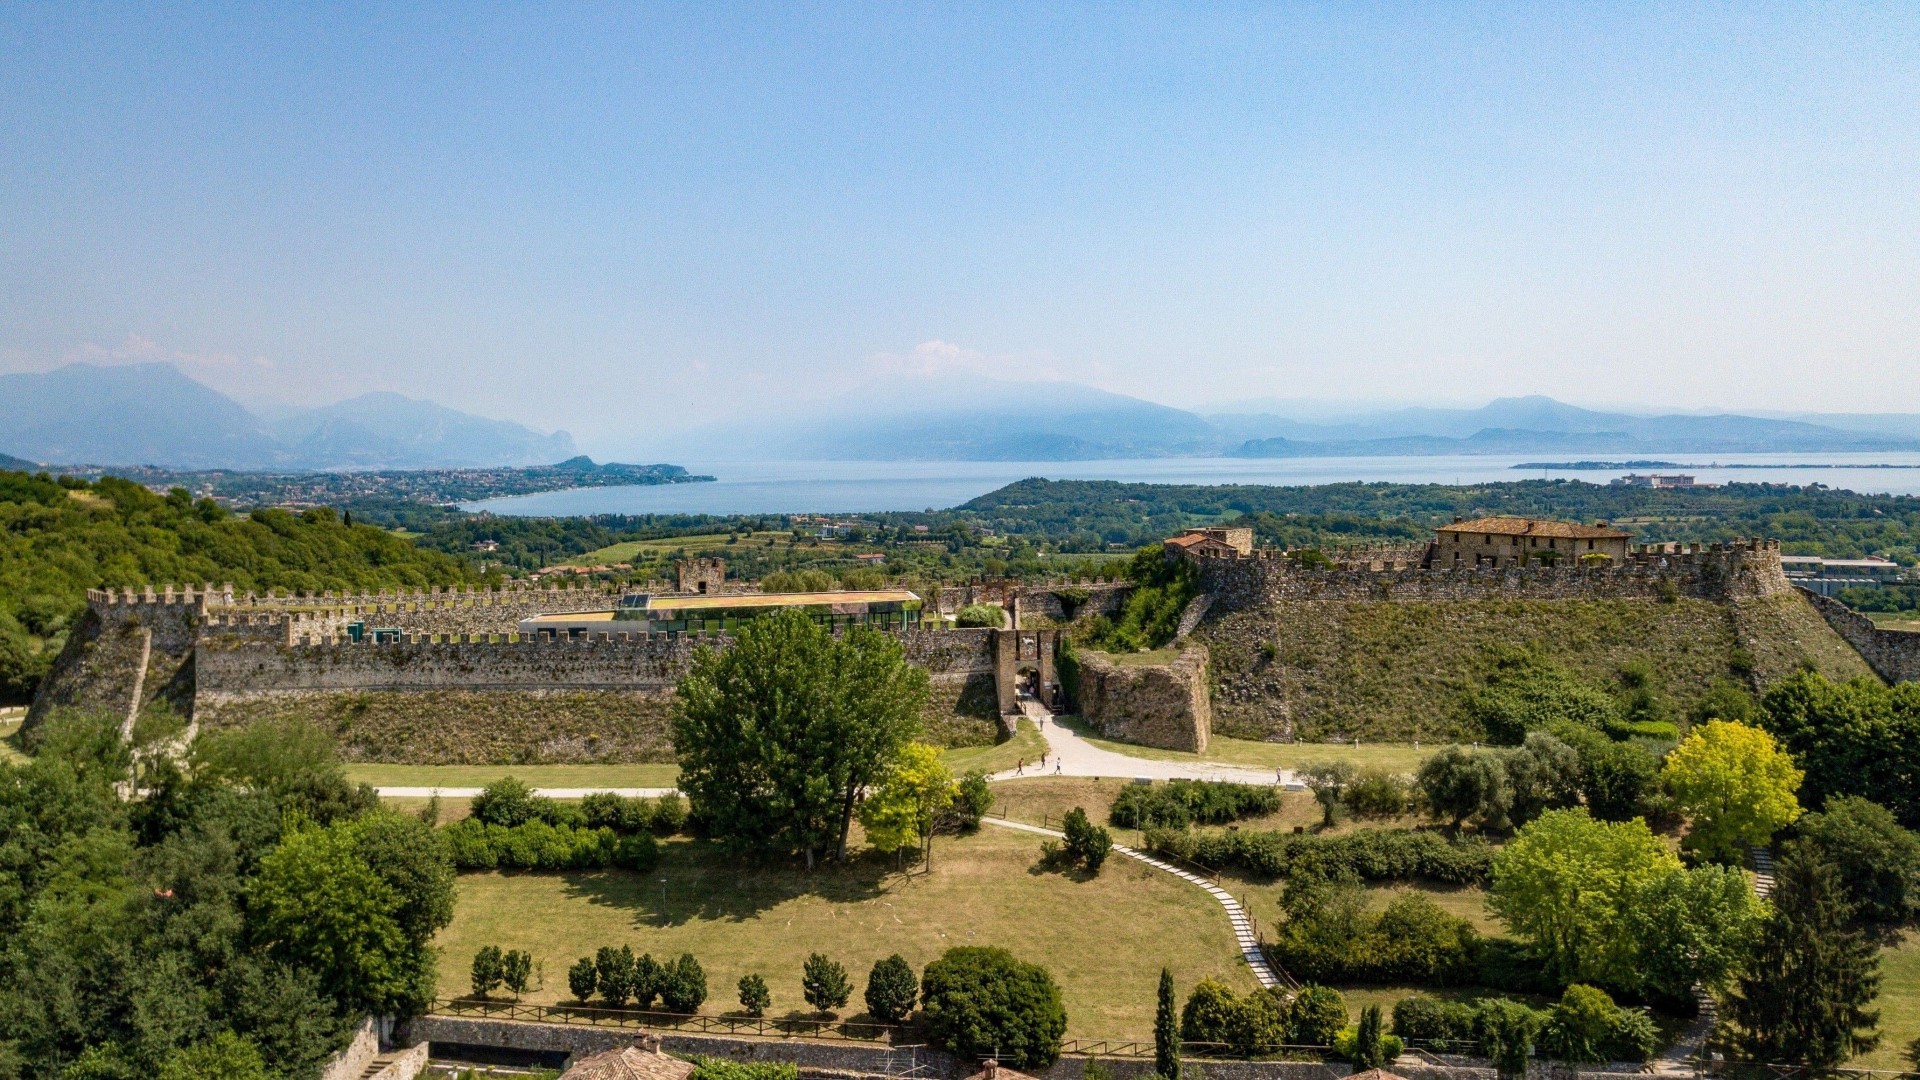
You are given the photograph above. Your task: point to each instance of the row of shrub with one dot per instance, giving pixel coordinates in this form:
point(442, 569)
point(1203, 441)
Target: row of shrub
point(493, 969)
point(536, 845)
point(1179, 803)
point(617, 977)
point(974, 1001)
point(1371, 855)
point(1584, 1026)
point(511, 803)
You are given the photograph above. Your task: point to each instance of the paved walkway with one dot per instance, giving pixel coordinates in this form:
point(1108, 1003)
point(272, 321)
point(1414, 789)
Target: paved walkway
point(1069, 754)
point(1243, 934)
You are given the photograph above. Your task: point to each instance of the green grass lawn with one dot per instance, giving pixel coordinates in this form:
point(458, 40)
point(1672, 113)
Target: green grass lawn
point(1400, 757)
point(1899, 1006)
point(1025, 743)
point(627, 551)
point(1894, 620)
point(569, 776)
point(1104, 940)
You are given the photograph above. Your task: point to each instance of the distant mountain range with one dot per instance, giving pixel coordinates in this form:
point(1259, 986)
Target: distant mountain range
point(152, 414)
point(986, 420)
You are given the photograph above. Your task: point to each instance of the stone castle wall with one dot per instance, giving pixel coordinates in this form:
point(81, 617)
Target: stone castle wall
point(1162, 705)
point(257, 663)
point(1740, 570)
point(1894, 655)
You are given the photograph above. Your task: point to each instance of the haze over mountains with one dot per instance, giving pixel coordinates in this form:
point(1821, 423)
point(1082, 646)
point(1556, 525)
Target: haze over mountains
point(152, 414)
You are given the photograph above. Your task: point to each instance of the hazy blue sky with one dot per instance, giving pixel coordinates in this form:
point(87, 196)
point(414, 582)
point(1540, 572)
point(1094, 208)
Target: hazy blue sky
point(606, 218)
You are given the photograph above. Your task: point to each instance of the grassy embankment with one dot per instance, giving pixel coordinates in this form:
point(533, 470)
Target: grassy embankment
point(1403, 671)
point(1104, 939)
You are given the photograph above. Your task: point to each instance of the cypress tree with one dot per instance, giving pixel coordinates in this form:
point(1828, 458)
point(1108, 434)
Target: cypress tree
point(1369, 1051)
point(1811, 974)
point(1166, 1031)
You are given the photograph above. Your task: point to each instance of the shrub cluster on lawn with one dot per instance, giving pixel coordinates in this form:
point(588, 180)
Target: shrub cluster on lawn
point(511, 828)
point(1370, 855)
point(616, 976)
point(1179, 803)
point(1263, 1021)
point(1584, 1026)
point(536, 845)
point(1329, 935)
point(977, 1001)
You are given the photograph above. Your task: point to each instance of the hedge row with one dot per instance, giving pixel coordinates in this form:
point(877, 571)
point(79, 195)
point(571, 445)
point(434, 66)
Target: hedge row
point(536, 845)
point(1371, 855)
point(1179, 803)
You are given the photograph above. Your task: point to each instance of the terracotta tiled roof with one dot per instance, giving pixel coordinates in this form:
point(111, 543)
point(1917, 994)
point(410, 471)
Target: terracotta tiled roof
point(629, 1063)
point(999, 1072)
point(1188, 539)
point(1518, 526)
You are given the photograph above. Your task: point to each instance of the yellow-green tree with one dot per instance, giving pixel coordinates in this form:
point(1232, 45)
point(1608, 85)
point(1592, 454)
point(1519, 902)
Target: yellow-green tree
point(1736, 786)
point(902, 810)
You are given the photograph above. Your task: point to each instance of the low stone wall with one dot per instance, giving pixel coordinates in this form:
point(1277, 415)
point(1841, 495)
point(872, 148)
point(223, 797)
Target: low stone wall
point(1161, 705)
point(1894, 655)
point(351, 1062)
point(814, 1058)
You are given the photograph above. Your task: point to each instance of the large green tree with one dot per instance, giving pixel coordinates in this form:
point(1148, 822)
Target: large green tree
point(1854, 738)
point(1568, 885)
point(1812, 974)
point(779, 734)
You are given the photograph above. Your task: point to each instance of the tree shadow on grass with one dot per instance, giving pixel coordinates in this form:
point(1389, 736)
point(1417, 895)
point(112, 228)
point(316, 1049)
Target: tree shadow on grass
point(698, 881)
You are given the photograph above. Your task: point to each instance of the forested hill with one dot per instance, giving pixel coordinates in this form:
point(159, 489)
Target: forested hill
point(1081, 514)
point(60, 538)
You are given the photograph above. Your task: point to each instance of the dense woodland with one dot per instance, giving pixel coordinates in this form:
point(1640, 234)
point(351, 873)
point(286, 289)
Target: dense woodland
point(233, 923)
point(61, 538)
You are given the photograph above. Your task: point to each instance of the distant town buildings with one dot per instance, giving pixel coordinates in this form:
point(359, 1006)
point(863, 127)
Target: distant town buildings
point(1515, 541)
point(1658, 481)
point(1828, 576)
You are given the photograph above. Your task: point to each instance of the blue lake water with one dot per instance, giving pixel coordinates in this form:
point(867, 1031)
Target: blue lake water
point(846, 487)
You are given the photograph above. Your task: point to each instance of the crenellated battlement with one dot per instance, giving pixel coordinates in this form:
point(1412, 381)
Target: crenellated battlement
point(1717, 571)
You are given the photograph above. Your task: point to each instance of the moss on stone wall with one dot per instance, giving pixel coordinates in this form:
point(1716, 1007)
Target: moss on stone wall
point(1312, 670)
point(962, 712)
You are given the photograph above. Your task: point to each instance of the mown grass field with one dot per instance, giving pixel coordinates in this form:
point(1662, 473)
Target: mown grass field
point(1893, 620)
point(1026, 743)
point(1104, 939)
point(672, 545)
point(1398, 757)
point(559, 776)
point(1899, 1007)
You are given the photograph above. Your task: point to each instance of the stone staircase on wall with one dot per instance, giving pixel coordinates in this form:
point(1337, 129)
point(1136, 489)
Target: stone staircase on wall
point(1191, 615)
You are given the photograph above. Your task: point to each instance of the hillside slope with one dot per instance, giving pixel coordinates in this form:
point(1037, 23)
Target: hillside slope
point(1315, 670)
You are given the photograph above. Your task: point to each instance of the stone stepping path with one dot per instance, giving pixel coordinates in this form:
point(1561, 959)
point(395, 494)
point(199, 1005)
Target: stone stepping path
point(1679, 1058)
point(1243, 932)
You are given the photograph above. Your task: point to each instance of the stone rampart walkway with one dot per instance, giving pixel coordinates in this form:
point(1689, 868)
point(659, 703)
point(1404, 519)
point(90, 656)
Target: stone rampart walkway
point(1243, 934)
